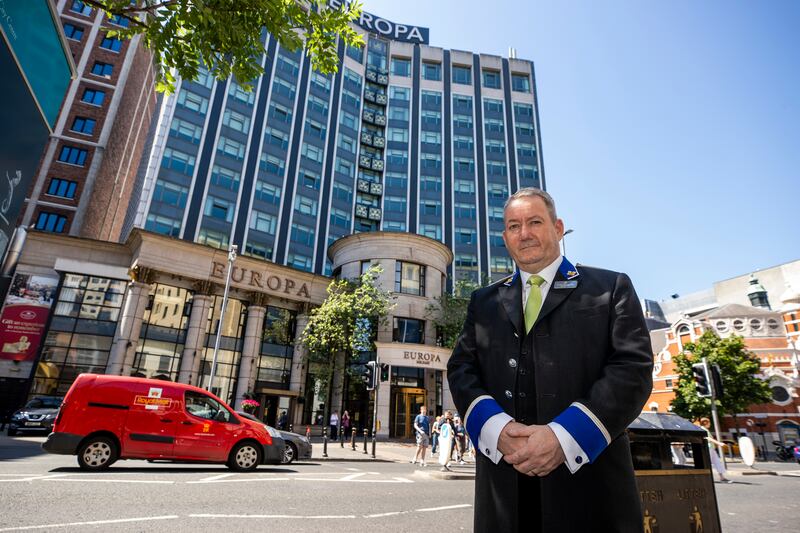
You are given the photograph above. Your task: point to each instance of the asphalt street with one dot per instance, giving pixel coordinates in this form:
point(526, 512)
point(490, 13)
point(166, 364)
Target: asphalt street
point(42, 492)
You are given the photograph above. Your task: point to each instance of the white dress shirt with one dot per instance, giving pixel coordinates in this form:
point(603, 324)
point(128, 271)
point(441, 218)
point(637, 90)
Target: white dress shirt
point(490, 432)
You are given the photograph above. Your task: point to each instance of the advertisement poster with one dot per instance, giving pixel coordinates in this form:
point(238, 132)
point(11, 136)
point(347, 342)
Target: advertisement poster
point(24, 316)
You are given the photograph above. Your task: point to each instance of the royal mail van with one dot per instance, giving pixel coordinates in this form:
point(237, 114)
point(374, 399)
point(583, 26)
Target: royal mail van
point(106, 418)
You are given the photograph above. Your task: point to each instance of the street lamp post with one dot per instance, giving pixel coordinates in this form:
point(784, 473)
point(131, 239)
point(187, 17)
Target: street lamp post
point(231, 259)
point(564, 241)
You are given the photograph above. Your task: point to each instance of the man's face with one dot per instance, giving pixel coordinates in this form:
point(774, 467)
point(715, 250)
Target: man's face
point(423, 411)
point(530, 234)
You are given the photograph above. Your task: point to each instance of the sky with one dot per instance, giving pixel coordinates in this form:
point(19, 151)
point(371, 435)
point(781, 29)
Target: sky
point(670, 130)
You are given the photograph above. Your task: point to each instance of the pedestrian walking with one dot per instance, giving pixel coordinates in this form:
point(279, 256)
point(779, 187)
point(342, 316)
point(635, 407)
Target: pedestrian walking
point(445, 441)
point(334, 422)
point(345, 424)
point(461, 438)
point(421, 432)
point(282, 421)
point(435, 435)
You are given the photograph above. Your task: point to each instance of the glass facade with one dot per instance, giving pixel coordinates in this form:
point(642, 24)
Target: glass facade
point(163, 333)
point(230, 347)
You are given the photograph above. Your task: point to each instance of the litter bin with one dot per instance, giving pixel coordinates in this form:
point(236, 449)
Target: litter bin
point(673, 474)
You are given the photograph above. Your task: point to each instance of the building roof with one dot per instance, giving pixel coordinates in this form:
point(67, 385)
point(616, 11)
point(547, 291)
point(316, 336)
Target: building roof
point(735, 310)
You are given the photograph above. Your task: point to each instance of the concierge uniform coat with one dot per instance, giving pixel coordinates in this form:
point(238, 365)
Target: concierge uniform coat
point(591, 359)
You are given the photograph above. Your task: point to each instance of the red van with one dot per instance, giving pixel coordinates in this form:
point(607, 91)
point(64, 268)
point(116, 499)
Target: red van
point(105, 418)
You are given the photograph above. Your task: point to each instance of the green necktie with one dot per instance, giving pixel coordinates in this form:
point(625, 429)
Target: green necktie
point(534, 304)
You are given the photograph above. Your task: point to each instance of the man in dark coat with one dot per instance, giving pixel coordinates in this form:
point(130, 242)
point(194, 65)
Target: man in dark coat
point(551, 367)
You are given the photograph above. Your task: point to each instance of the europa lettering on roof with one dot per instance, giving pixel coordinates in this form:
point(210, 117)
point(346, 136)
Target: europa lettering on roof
point(385, 28)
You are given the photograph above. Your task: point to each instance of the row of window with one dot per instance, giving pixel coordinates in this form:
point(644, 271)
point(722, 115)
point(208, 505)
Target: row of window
point(461, 74)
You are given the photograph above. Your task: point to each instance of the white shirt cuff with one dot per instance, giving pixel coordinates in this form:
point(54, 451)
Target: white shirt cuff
point(574, 454)
point(490, 434)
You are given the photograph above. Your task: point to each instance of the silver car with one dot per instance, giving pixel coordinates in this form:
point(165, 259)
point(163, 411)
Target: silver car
point(296, 446)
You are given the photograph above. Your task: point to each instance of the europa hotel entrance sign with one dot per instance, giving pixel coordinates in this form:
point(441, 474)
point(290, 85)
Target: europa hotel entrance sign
point(385, 28)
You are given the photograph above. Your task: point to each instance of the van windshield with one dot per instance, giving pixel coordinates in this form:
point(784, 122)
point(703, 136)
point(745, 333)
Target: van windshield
point(206, 407)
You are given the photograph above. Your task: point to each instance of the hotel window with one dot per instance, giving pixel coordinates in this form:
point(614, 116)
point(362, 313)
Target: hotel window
point(498, 191)
point(397, 157)
point(163, 225)
point(276, 138)
point(494, 168)
point(73, 156)
point(526, 150)
point(409, 278)
point(400, 93)
point(465, 186)
point(462, 121)
point(352, 77)
point(93, 97)
point(254, 249)
point(527, 171)
point(398, 113)
point(520, 83)
point(280, 113)
point(495, 146)
point(462, 210)
point(466, 236)
point(345, 167)
point(238, 93)
point(170, 194)
point(182, 129)
point(219, 209)
point(317, 105)
point(408, 330)
point(431, 71)
point(349, 120)
point(236, 121)
point(396, 180)
point(496, 239)
point(163, 333)
point(356, 53)
point(343, 192)
point(466, 260)
point(523, 110)
point(397, 135)
point(268, 193)
point(394, 204)
point(434, 231)
point(73, 32)
point(495, 214)
point(431, 137)
point(288, 66)
point(491, 105)
point(309, 180)
point(120, 20)
point(306, 206)
point(431, 183)
point(80, 8)
point(225, 178)
point(284, 88)
point(401, 67)
point(62, 188)
point(111, 43)
point(231, 148)
point(460, 100)
point(299, 261)
point(347, 143)
point(204, 78)
point(213, 238)
point(351, 99)
point(193, 102)
point(263, 222)
point(462, 75)
point(272, 165)
point(314, 153)
point(104, 70)
point(83, 125)
point(494, 125)
point(431, 161)
point(463, 143)
point(394, 225)
point(51, 222)
point(524, 129)
point(491, 79)
point(464, 164)
point(315, 129)
point(432, 118)
point(320, 81)
point(431, 208)
point(432, 99)
point(340, 218)
point(503, 265)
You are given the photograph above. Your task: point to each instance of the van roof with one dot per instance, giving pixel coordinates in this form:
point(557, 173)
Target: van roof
point(106, 378)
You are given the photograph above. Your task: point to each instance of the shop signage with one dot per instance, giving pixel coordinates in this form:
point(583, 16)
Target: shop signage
point(260, 280)
point(390, 30)
point(24, 316)
point(413, 355)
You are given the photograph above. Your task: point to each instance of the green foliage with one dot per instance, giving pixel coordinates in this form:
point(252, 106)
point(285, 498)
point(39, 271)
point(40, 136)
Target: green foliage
point(738, 367)
point(449, 311)
point(225, 36)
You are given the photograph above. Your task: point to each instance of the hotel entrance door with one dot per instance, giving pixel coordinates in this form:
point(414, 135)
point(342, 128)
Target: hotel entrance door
point(405, 406)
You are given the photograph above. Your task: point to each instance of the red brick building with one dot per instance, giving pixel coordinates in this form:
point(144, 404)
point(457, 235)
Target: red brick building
point(87, 173)
point(771, 335)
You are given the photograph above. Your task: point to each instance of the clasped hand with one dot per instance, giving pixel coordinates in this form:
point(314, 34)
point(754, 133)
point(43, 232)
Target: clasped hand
point(533, 450)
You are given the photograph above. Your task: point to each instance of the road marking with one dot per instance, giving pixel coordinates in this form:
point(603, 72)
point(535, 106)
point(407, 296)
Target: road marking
point(113, 481)
point(242, 480)
point(92, 523)
point(429, 509)
point(212, 478)
point(31, 477)
point(262, 516)
point(351, 477)
point(381, 515)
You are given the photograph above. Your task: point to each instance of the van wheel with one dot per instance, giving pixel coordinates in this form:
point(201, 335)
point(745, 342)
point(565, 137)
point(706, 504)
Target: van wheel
point(97, 453)
point(245, 457)
point(289, 453)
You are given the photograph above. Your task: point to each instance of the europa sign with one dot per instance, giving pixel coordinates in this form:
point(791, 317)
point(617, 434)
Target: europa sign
point(413, 355)
point(261, 280)
point(385, 28)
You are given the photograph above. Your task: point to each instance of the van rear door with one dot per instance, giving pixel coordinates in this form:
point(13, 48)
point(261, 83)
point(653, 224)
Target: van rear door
point(151, 425)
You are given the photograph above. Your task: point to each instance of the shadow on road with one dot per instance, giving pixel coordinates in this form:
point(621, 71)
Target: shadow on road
point(19, 448)
point(170, 469)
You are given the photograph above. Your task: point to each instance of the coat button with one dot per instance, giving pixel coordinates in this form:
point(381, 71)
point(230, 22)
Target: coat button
point(522, 371)
point(521, 394)
point(508, 394)
point(512, 363)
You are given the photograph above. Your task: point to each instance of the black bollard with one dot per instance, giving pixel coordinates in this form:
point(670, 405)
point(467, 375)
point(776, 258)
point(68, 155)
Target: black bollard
point(290, 429)
point(373, 444)
point(353, 439)
point(324, 441)
point(366, 436)
point(341, 437)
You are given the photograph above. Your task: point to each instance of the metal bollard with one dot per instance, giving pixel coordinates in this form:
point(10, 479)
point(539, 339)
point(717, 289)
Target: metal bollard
point(341, 437)
point(353, 439)
point(373, 444)
point(366, 436)
point(324, 441)
point(290, 429)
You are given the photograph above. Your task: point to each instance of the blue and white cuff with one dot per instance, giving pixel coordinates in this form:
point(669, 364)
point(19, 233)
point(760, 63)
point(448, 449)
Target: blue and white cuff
point(480, 410)
point(585, 428)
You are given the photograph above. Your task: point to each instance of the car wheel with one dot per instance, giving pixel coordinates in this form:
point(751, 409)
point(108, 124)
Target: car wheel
point(12, 432)
point(245, 457)
point(97, 453)
point(289, 453)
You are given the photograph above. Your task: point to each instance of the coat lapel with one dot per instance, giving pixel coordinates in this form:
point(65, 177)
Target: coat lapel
point(510, 293)
point(566, 280)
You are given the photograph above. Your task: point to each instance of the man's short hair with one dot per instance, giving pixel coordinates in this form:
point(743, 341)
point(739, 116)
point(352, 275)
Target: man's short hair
point(533, 192)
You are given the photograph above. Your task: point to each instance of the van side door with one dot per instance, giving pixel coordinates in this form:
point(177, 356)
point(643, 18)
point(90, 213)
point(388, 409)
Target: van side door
point(151, 424)
point(207, 429)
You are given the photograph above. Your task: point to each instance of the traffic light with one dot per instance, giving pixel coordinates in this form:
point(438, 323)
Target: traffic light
point(370, 375)
point(716, 378)
point(384, 372)
point(701, 381)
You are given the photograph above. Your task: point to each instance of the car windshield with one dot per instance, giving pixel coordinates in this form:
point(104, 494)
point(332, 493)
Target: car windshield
point(44, 403)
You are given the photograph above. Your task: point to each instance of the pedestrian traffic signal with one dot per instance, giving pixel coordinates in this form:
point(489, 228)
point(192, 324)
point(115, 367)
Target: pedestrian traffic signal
point(716, 378)
point(701, 381)
point(370, 375)
point(384, 372)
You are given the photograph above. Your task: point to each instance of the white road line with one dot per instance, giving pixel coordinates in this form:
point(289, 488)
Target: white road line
point(213, 478)
point(31, 478)
point(429, 509)
point(113, 481)
point(353, 469)
point(243, 480)
point(92, 523)
point(351, 477)
point(381, 515)
point(262, 516)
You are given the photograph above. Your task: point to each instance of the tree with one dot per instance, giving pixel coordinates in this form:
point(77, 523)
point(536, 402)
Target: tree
point(225, 36)
point(449, 311)
point(739, 368)
point(346, 322)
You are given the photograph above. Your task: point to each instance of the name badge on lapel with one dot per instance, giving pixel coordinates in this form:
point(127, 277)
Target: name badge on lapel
point(565, 284)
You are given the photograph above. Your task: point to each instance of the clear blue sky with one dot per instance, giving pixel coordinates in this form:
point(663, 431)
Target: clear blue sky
point(671, 130)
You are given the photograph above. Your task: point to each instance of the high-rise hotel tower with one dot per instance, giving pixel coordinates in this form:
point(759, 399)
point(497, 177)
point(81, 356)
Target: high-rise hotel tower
point(405, 137)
